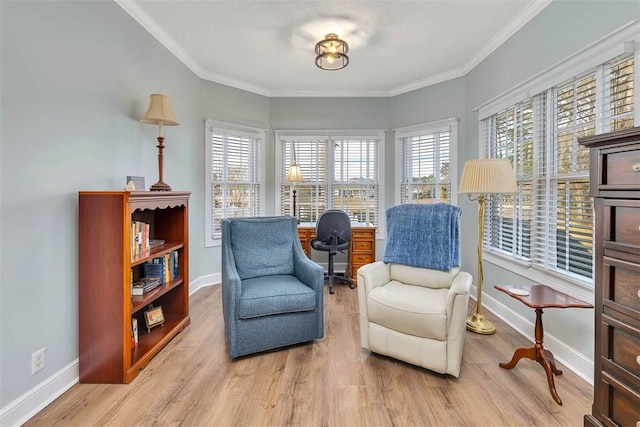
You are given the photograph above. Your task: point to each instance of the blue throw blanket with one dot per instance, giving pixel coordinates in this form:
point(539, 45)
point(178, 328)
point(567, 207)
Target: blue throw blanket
point(424, 236)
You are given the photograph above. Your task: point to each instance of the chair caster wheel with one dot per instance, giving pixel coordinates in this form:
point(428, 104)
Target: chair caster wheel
point(332, 291)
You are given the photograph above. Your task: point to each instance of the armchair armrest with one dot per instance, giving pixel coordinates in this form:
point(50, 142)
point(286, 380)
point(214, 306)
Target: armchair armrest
point(308, 272)
point(459, 287)
point(231, 285)
point(372, 275)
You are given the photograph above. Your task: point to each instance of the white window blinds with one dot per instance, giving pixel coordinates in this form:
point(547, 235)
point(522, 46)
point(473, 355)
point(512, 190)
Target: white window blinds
point(233, 181)
point(549, 222)
point(340, 172)
point(426, 161)
point(311, 200)
point(355, 180)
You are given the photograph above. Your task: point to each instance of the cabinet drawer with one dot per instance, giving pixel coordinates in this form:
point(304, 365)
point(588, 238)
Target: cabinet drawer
point(368, 233)
point(620, 405)
point(620, 350)
point(362, 245)
point(622, 225)
point(622, 168)
point(621, 286)
point(362, 259)
point(354, 270)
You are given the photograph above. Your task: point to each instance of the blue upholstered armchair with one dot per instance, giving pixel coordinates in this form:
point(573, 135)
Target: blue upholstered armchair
point(272, 294)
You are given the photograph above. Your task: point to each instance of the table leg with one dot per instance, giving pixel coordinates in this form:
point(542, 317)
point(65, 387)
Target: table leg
point(545, 358)
point(529, 353)
point(540, 355)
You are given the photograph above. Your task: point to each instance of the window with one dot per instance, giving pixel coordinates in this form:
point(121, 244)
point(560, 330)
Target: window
point(426, 162)
point(341, 171)
point(548, 224)
point(234, 174)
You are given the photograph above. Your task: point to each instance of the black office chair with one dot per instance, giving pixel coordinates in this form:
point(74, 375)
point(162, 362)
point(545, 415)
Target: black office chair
point(333, 234)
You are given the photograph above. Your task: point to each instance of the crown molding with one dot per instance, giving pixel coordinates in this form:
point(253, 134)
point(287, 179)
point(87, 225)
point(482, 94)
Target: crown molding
point(140, 16)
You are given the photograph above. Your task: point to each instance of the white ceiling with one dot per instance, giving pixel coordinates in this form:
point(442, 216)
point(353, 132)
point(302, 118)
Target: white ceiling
point(267, 46)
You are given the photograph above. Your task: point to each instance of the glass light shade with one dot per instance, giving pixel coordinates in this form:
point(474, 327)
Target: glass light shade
point(488, 176)
point(332, 53)
point(295, 174)
point(160, 112)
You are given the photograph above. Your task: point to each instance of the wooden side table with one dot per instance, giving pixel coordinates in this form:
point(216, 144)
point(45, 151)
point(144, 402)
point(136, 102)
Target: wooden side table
point(540, 297)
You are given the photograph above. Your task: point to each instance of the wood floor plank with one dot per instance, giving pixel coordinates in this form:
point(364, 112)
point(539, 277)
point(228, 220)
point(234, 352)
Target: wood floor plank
point(330, 382)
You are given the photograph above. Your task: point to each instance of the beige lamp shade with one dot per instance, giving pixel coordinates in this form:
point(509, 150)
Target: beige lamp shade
point(295, 174)
point(160, 112)
point(487, 176)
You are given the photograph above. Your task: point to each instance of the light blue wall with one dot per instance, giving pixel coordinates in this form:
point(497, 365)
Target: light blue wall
point(76, 77)
point(562, 29)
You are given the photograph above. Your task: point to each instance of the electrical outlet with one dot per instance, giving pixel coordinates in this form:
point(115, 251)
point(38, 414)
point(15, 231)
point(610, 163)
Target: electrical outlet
point(37, 361)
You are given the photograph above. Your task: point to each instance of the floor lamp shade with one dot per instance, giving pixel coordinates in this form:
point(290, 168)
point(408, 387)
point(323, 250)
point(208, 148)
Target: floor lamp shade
point(481, 177)
point(160, 113)
point(488, 176)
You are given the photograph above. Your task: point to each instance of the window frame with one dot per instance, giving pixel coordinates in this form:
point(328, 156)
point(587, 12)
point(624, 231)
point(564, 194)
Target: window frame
point(328, 135)
point(609, 48)
point(217, 126)
point(450, 124)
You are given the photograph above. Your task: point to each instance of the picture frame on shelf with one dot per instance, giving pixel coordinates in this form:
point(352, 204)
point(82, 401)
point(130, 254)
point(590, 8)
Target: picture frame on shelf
point(138, 182)
point(153, 317)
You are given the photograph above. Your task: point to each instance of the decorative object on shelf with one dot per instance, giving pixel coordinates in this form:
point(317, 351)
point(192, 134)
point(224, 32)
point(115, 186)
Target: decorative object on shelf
point(481, 177)
point(332, 53)
point(294, 175)
point(134, 328)
point(153, 317)
point(130, 186)
point(160, 113)
point(138, 182)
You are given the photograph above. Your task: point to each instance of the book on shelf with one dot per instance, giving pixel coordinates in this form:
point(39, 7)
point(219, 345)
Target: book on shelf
point(165, 267)
point(154, 243)
point(155, 268)
point(144, 285)
point(139, 237)
point(175, 264)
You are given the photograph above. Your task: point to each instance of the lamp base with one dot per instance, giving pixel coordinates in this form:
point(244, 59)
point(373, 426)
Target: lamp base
point(480, 325)
point(160, 186)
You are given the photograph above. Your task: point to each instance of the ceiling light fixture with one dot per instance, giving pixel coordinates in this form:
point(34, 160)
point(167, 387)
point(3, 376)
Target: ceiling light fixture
point(332, 53)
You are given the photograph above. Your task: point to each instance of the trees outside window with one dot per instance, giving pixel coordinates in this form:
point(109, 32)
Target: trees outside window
point(234, 175)
point(548, 223)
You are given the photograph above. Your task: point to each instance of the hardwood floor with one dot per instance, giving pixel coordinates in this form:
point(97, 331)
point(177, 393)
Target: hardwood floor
point(331, 382)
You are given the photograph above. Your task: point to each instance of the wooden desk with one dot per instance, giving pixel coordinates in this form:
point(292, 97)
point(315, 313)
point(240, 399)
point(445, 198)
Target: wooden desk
point(362, 249)
point(539, 298)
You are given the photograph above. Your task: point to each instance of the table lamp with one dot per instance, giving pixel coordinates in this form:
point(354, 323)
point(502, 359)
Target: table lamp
point(160, 113)
point(482, 177)
point(294, 175)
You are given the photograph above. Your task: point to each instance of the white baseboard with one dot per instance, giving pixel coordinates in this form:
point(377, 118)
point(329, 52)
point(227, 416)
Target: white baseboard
point(568, 356)
point(29, 404)
point(26, 406)
point(203, 281)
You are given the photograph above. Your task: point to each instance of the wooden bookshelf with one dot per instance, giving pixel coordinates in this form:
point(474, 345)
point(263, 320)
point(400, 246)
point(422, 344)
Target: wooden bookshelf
point(107, 267)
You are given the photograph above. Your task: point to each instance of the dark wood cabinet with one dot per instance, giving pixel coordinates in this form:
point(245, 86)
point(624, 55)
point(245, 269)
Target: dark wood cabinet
point(615, 186)
point(107, 267)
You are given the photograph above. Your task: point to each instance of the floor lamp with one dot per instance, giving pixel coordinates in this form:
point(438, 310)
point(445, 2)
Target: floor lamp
point(161, 114)
point(482, 177)
point(294, 175)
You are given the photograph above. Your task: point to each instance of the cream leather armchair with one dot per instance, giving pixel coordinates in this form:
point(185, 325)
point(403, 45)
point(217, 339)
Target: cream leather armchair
point(414, 314)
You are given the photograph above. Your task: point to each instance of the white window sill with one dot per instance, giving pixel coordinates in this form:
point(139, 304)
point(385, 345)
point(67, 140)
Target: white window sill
point(562, 284)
